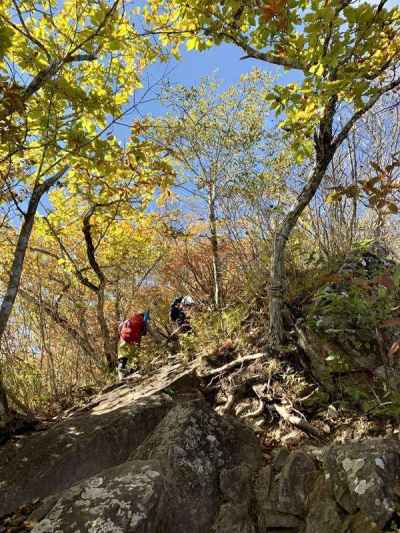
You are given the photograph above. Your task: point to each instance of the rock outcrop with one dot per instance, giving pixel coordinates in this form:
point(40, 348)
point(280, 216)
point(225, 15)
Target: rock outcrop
point(171, 483)
point(351, 488)
point(89, 440)
point(138, 462)
point(350, 326)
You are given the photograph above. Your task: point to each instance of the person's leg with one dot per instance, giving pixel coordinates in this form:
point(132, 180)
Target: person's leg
point(134, 357)
point(123, 355)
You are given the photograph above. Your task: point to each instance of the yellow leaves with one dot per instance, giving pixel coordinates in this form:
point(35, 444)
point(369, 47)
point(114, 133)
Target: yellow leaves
point(317, 69)
point(163, 197)
point(192, 43)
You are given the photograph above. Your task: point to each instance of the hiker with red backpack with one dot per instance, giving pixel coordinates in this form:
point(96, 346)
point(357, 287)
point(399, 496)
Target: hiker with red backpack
point(131, 332)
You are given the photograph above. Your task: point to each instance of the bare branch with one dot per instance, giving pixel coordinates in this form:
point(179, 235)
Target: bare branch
point(341, 136)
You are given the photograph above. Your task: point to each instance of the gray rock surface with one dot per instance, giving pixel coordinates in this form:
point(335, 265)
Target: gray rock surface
point(93, 438)
point(170, 484)
point(364, 476)
point(123, 498)
point(144, 463)
point(77, 448)
point(194, 445)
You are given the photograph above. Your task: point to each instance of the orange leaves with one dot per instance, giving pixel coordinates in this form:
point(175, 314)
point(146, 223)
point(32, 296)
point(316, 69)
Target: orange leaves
point(378, 191)
point(386, 280)
point(12, 98)
point(274, 9)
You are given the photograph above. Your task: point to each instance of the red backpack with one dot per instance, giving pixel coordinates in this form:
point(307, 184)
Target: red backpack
point(132, 330)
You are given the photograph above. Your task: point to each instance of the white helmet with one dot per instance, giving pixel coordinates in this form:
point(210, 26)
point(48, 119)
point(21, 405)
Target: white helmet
point(187, 300)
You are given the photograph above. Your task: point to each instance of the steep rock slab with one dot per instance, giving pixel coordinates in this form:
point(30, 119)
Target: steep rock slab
point(195, 469)
point(101, 436)
point(194, 446)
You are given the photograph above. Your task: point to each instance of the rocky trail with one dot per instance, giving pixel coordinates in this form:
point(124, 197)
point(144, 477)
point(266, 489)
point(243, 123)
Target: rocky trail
point(230, 442)
point(152, 455)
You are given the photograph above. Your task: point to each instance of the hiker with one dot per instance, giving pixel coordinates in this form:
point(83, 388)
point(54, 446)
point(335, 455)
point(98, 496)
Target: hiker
point(131, 332)
point(180, 312)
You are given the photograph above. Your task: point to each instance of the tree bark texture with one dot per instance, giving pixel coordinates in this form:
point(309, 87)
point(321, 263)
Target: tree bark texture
point(212, 219)
point(18, 263)
point(109, 345)
point(277, 290)
point(324, 151)
point(20, 250)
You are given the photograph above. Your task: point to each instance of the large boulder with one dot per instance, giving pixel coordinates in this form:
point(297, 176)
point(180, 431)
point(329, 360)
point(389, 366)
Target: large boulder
point(178, 481)
point(351, 488)
point(80, 446)
point(195, 447)
point(127, 497)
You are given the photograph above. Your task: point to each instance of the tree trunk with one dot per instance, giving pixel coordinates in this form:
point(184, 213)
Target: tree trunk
point(3, 405)
point(212, 220)
point(108, 343)
point(277, 330)
point(18, 262)
point(20, 250)
point(324, 150)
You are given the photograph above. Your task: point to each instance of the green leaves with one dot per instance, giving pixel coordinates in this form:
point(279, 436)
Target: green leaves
point(342, 52)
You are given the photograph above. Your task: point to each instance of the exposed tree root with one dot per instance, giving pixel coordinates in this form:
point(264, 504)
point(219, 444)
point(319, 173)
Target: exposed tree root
point(232, 364)
point(299, 422)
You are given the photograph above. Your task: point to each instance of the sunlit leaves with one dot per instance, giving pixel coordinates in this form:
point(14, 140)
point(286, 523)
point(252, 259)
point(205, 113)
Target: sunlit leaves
point(97, 58)
point(345, 52)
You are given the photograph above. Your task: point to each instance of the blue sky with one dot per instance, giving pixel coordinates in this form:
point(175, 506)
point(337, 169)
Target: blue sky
point(223, 61)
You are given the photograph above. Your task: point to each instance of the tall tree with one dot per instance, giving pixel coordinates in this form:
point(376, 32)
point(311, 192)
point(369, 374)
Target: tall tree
point(67, 70)
point(215, 139)
point(346, 52)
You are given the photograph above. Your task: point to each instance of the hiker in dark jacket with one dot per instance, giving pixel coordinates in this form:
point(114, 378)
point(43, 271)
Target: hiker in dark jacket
point(180, 313)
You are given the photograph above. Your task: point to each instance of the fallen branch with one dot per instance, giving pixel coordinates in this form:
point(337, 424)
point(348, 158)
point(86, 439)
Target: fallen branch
point(298, 422)
point(232, 364)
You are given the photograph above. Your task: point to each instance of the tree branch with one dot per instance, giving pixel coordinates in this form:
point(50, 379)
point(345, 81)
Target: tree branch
point(61, 321)
point(78, 273)
point(90, 248)
point(46, 74)
point(268, 57)
point(341, 136)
